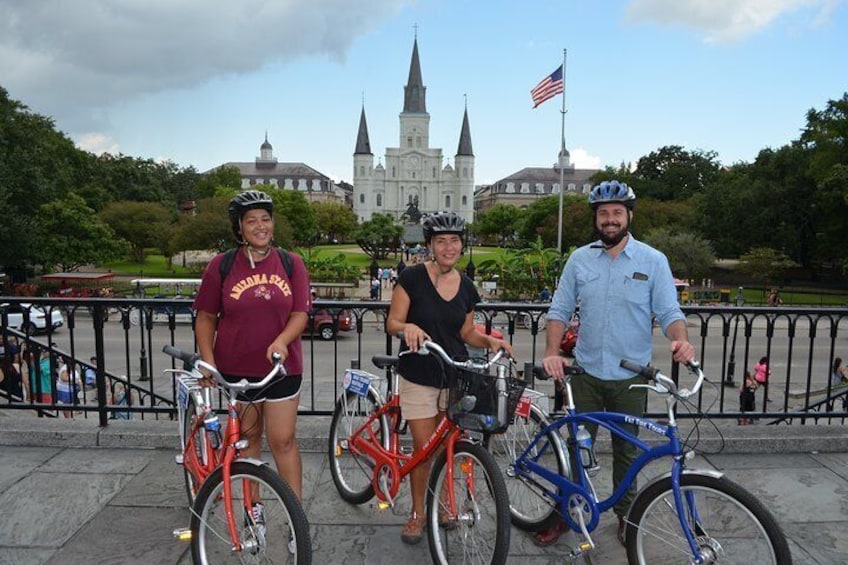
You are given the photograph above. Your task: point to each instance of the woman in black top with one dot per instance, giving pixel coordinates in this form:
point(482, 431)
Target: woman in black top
point(432, 300)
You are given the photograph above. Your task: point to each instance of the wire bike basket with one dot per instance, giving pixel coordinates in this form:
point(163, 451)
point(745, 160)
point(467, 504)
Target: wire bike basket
point(481, 402)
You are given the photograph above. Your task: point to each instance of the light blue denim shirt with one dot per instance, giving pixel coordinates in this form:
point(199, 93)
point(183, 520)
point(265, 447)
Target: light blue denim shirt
point(617, 298)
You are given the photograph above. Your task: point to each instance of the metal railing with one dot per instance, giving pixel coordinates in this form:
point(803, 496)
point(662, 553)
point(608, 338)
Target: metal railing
point(125, 337)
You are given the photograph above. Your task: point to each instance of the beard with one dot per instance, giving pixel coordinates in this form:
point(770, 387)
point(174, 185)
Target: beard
point(611, 239)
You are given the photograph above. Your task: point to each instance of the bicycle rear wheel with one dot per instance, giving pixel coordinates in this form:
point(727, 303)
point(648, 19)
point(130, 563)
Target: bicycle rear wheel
point(732, 526)
point(529, 510)
point(352, 472)
point(479, 534)
point(280, 536)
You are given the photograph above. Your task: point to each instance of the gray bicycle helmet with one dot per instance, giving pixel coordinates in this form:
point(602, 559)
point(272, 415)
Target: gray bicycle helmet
point(247, 200)
point(442, 223)
point(612, 191)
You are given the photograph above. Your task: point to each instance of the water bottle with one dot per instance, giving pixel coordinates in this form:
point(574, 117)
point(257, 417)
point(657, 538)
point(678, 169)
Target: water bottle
point(586, 451)
point(481, 422)
point(464, 404)
point(212, 424)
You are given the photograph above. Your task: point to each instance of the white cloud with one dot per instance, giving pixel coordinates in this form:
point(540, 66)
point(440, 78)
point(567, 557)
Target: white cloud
point(582, 160)
point(97, 143)
point(105, 51)
point(722, 21)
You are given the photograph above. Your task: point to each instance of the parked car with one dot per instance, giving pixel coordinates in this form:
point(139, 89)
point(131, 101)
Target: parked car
point(37, 317)
point(326, 326)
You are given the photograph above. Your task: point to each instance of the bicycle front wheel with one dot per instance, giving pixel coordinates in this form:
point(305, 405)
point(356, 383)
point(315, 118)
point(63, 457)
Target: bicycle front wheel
point(479, 533)
point(528, 507)
point(729, 524)
point(276, 533)
point(352, 472)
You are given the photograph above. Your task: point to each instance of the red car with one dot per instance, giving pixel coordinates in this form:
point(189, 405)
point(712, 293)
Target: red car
point(326, 326)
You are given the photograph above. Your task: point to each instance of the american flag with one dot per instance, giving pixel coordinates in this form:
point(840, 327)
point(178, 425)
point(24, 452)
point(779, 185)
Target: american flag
point(549, 87)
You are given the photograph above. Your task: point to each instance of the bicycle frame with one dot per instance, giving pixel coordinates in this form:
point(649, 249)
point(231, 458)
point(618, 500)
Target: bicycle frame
point(566, 489)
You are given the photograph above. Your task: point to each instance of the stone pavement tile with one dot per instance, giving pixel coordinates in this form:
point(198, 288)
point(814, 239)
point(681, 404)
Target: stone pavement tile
point(820, 543)
point(365, 544)
point(98, 460)
point(836, 462)
point(17, 462)
point(122, 536)
point(735, 465)
point(607, 548)
point(25, 555)
point(40, 510)
point(159, 482)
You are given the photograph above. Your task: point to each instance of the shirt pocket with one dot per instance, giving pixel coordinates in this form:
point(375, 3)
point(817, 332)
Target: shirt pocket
point(637, 291)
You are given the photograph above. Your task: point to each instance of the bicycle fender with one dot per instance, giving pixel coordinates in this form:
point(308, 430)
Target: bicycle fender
point(251, 461)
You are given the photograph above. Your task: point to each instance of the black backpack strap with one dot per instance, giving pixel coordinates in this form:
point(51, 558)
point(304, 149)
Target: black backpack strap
point(226, 264)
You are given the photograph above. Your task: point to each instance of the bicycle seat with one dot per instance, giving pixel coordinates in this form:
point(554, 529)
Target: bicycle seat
point(385, 361)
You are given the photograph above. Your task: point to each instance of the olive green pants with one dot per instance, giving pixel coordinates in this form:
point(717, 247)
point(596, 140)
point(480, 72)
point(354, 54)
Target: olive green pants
point(595, 395)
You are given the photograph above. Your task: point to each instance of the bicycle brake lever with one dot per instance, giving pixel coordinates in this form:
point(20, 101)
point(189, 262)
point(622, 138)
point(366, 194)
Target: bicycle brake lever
point(658, 388)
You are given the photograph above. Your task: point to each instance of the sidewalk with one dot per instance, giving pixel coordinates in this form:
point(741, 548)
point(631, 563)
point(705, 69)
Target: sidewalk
point(73, 493)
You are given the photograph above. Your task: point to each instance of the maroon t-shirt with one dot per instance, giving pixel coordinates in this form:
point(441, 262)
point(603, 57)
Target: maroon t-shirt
point(253, 307)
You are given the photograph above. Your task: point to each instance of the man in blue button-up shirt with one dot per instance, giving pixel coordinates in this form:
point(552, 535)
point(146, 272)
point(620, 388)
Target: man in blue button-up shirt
point(621, 284)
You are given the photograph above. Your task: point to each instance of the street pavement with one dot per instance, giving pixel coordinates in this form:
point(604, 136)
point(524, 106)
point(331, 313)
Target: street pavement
point(71, 492)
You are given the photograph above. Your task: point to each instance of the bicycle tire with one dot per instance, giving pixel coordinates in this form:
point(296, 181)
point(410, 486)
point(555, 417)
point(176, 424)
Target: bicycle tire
point(528, 510)
point(750, 533)
point(352, 473)
point(189, 419)
point(480, 533)
point(210, 537)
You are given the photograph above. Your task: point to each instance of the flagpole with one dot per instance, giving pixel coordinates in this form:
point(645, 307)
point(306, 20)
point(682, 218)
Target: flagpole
point(560, 161)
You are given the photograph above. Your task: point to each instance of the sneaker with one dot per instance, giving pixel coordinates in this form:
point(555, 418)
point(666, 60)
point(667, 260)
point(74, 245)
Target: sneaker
point(622, 526)
point(258, 517)
point(292, 547)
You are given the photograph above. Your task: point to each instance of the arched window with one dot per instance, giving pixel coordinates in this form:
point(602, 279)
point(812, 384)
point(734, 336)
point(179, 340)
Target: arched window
point(464, 200)
point(379, 200)
point(447, 201)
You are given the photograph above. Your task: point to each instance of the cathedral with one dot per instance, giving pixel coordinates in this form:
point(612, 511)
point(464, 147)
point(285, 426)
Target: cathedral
point(415, 179)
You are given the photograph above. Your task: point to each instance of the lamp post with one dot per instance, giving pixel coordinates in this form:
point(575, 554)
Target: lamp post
point(470, 270)
point(731, 363)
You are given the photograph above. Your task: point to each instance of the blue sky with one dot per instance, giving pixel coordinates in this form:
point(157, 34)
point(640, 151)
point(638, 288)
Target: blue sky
point(199, 82)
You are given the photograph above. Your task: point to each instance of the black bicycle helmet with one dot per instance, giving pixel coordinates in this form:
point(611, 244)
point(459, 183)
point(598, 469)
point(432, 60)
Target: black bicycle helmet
point(442, 223)
point(247, 200)
point(612, 191)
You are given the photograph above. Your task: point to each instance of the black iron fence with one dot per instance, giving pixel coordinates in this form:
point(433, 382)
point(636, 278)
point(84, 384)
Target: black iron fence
point(114, 345)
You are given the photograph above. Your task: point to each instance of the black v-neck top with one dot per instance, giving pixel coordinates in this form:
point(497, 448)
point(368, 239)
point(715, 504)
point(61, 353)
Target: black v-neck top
point(441, 319)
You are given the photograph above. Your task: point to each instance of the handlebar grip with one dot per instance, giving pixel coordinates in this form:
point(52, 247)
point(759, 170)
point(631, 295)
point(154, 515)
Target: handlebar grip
point(186, 357)
point(642, 370)
point(540, 373)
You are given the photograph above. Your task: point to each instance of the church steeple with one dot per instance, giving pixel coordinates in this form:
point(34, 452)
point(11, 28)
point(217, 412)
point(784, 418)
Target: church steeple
point(465, 137)
point(363, 145)
point(414, 92)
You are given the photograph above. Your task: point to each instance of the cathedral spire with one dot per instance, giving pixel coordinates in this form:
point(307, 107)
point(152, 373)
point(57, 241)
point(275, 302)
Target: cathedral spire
point(363, 145)
point(414, 92)
point(465, 137)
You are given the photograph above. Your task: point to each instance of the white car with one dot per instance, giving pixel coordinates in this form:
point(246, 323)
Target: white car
point(37, 317)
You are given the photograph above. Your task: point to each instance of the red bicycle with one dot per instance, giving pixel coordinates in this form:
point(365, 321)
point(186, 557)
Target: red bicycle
point(467, 509)
point(241, 509)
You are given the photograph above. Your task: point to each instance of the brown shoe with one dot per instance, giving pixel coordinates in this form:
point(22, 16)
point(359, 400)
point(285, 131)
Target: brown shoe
point(551, 535)
point(413, 532)
point(622, 526)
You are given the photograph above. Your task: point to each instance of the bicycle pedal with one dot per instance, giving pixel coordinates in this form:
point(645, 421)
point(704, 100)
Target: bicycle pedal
point(182, 534)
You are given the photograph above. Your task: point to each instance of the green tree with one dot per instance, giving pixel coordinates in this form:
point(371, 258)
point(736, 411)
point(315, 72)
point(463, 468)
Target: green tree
point(298, 213)
point(690, 256)
point(541, 219)
point(142, 224)
point(228, 178)
point(672, 173)
point(71, 235)
point(498, 224)
point(378, 236)
point(336, 222)
point(765, 264)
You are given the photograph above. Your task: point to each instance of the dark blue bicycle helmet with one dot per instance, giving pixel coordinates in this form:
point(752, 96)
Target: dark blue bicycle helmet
point(612, 191)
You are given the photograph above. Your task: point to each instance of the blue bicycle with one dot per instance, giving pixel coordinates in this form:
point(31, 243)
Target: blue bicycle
point(683, 516)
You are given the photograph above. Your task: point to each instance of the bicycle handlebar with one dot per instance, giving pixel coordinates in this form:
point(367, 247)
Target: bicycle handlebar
point(430, 346)
point(192, 361)
point(664, 383)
